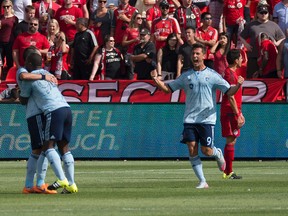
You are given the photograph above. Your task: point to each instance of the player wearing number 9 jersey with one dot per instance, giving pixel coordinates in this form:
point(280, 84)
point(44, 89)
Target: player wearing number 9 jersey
point(200, 85)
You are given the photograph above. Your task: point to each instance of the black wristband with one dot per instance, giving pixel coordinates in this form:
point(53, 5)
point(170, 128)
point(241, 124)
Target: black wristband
point(43, 77)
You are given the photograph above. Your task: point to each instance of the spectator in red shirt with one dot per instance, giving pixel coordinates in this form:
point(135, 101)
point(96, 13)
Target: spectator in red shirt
point(152, 14)
point(121, 20)
point(231, 116)
point(163, 26)
point(267, 58)
point(233, 18)
point(208, 36)
point(30, 38)
point(220, 50)
point(67, 16)
point(81, 4)
point(8, 22)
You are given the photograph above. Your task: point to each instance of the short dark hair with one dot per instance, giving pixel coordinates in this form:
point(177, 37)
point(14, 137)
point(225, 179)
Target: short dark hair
point(28, 8)
point(190, 27)
point(35, 60)
point(203, 15)
point(28, 51)
point(199, 45)
point(233, 55)
point(83, 21)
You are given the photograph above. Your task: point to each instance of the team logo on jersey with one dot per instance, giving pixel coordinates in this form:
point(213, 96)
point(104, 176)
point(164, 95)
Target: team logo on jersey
point(191, 86)
point(206, 78)
point(235, 132)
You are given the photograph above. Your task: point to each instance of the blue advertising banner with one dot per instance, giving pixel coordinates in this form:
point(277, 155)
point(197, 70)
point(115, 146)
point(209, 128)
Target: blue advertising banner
point(116, 131)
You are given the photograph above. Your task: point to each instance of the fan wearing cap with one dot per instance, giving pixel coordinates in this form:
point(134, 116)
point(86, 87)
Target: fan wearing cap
point(144, 55)
point(163, 26)
point(251, 32)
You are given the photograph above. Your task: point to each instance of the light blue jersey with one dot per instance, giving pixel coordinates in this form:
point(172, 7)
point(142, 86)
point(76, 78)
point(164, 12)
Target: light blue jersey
point(31, 107)
point(46, 94)
point(200, 89)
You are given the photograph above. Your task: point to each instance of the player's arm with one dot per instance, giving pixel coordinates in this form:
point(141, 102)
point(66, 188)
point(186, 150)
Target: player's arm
point(238, 114)
point(234, 89)
point(161, 85)
point(47, 77)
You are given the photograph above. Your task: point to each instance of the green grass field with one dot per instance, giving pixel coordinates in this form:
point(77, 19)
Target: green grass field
point(130, 188)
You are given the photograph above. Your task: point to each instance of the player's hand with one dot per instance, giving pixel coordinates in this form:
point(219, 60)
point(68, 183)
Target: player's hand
point(51, 78)
point(240, 80)
point(240, 121)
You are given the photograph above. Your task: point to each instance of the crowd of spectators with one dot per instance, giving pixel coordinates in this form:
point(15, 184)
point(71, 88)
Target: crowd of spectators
point(126, 39)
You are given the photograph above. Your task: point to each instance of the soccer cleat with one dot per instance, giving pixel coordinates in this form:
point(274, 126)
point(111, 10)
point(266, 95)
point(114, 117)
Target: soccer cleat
point(44, 190)
point(27, 190)
point(221, 161)
point(58, 184)
point(202, 185)
point(233, 175)
point(70, 189)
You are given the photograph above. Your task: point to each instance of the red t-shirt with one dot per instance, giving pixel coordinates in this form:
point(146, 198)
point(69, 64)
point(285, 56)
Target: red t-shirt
point(68, 29)
point(153, 13)
point(232, 78)
point(25, 40)
point(164, 27)
point(132, 33)
point(232, 10)
point(210, 34)
point(268, 46)
point(119, 25)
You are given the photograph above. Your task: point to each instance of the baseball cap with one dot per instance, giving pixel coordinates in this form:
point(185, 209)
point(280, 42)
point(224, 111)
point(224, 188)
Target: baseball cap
point(262, 8)
point(163, 3)
point(144, 31)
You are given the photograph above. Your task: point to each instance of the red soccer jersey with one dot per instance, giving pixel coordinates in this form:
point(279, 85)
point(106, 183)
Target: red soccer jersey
point(153, 13)
point(119, 25)
point(55, 58)
point(132, 33)
point(73, 13)
point(164, 27)
point(207, 35)
point(233, 10)
point(25, 40)
point(268, 46)
point(232, 78)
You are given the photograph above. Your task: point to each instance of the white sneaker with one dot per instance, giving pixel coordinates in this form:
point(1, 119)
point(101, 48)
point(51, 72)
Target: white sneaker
point(221, 161)
point(202, 185)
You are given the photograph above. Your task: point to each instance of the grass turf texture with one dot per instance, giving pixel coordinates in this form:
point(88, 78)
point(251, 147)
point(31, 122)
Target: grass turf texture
point(130, 188)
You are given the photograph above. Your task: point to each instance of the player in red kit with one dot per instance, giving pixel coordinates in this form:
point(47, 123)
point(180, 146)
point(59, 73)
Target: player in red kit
point(163, 26)
point(121, 19)
point(231, 116)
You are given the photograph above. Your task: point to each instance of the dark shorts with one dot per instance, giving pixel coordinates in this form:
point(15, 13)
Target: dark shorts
point(200, 133)
point(35, 127)
point(58, 125)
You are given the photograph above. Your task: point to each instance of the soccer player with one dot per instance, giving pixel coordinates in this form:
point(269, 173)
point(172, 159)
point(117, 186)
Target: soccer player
point(231, 118)
point(58, 124)
point(35, 119)
point(200, 84)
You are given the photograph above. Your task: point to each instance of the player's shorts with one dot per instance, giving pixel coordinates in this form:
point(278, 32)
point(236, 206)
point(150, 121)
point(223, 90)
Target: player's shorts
point(58, 125)
point(35, 128)
point(200, 133)
point(229, 125)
